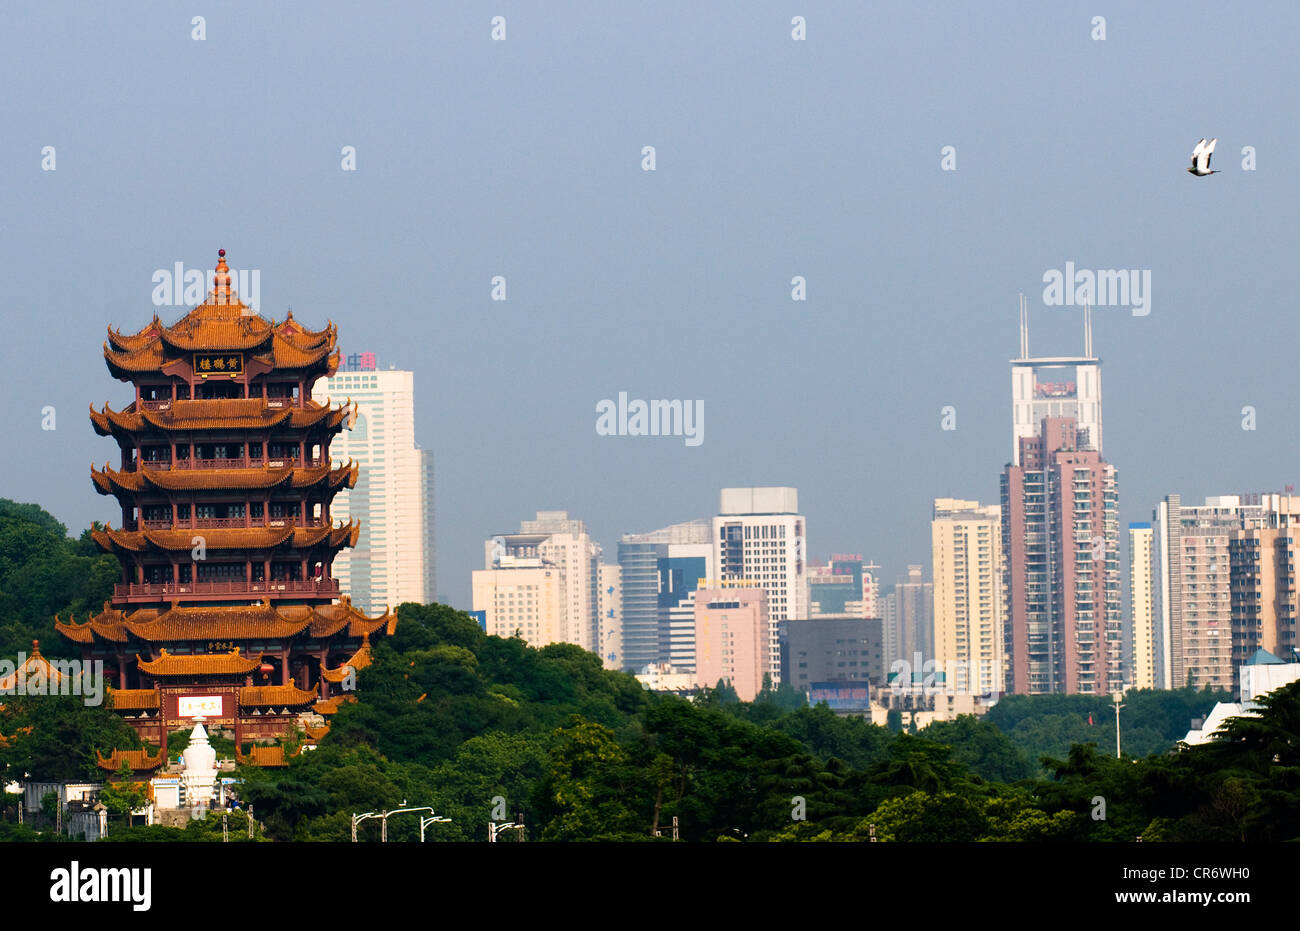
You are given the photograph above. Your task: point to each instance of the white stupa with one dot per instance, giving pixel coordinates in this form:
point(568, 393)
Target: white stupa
point(200, 766)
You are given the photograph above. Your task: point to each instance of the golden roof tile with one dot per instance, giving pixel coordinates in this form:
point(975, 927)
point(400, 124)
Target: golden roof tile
point(262, 696)
point(199, 664)
point(134, 699)
point(35, 666)
point(358, 661)
point(262, 756)
point(138, 760)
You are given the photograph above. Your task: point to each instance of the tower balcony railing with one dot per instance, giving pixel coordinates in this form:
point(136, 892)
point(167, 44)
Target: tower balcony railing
point(234, 589)
point(219, 523)
point(252, 462)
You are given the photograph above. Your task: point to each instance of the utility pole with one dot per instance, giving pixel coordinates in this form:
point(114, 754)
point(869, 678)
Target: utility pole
point(676, 836)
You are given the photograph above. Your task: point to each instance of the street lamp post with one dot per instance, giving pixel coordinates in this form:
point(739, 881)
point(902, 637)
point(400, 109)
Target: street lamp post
point(1117, 696)
point(494, 829)
point(398, 811)
point(432, 819)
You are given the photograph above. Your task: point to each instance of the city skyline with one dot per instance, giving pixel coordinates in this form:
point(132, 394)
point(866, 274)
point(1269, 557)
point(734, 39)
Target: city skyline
point(621, 280)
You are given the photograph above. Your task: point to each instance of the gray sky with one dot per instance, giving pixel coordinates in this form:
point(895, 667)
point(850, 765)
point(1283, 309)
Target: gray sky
point(775, 158)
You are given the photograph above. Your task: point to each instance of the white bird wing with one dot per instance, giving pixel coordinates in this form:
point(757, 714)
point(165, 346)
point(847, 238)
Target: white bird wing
point(1209, 151)
point(1196, 153)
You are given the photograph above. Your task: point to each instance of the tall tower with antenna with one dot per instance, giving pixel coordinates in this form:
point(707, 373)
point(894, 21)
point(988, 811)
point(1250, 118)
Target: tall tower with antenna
point(1060, 528)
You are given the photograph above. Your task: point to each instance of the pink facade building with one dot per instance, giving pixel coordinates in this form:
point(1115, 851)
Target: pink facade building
point(732, 631)
point(1061, 538)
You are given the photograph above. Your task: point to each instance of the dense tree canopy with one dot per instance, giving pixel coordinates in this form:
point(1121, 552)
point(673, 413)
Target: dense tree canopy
point(485, 729)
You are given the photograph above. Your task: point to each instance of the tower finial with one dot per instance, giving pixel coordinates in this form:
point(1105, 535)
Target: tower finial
point(222, 293)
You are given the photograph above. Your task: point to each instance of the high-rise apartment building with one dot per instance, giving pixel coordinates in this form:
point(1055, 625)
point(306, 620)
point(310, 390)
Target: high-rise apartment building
point(1191, 550)
point(969, 607)
point(1141, 656)
point(1061, 538)
point(1263, 560)
point(908, 623)
point(732, 633)
point(395, 557)
point(551, 543)
point(1060, 529)
point(759, 535)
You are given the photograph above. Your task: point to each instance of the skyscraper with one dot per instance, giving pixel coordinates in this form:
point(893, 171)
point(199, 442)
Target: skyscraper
point(759, 536)
point(395, 558)
point(660, 572)
point(969, 606)
point(1141, 653)
point(1060, 536)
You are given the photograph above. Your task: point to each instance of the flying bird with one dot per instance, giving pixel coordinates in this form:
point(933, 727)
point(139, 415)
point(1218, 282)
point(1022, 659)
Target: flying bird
point(1201, 158)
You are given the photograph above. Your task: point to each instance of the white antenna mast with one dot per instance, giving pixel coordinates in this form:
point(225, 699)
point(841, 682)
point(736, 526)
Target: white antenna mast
point(1024, 327)
point(1087, 330)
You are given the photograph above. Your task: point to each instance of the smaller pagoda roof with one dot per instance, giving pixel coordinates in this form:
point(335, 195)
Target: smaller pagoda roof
point(329, 706)
point(35, 666)
point(139, 760)
point(199, 664)
point(358, 661)
point(279, 696)
point(134, 699)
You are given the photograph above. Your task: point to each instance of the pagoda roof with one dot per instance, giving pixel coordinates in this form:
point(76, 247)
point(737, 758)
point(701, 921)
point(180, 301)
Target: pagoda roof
point(33, 667)
point(330, 706)
point(358, 661)
point(222, 323)
point(262, 756)
point(134, 699)
point(109, 481)
point(227, 538)
point(220, 414)
point(262, 696)
point(230, 622)
point(139, 760)
point(199, 664)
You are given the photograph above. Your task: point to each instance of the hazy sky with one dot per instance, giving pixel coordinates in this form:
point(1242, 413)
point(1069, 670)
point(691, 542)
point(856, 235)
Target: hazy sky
point(774, 158)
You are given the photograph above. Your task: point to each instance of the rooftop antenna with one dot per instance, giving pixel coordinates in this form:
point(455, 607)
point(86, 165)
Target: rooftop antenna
point(1024, 327)
point(1087, 330)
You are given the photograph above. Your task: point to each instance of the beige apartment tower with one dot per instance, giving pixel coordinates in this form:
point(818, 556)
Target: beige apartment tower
point(969, 602)
point(1142, 605)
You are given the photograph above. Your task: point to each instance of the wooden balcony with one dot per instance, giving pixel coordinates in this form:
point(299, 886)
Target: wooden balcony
point(236, 590)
